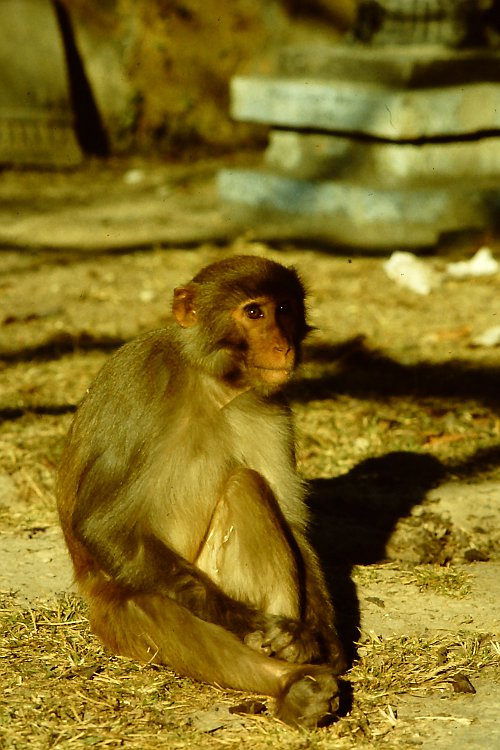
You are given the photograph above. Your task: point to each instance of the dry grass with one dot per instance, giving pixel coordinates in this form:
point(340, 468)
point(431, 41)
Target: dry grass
point(412, 385)
point(447, 581)
point(61, 690)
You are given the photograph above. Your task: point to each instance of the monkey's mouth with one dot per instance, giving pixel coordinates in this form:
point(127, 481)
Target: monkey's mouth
point(287, 370)
point(274, 376)
point(273, 369)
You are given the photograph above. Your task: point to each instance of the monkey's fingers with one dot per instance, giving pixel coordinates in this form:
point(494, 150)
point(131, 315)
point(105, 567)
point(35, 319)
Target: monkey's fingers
point(302, 648)
point(287, 640)
point(258, 642)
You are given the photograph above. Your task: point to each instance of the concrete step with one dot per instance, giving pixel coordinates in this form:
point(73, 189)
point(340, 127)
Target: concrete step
point(274, 206)
point(383, 165)
point(366, 108)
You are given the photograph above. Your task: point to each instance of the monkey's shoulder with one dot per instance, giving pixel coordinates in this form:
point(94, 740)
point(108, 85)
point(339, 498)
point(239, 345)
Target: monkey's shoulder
point(160, 343)
point(148, 357)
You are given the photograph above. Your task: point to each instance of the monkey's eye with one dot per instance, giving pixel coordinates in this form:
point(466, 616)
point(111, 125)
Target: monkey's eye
point(253, 311)
point(284, 308)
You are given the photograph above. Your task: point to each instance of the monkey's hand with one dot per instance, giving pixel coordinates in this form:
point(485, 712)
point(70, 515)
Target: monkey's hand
point(288, 640)
point(309, 699)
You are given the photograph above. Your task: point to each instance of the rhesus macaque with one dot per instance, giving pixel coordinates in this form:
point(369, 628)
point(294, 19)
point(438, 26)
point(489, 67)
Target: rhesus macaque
point(180, 502)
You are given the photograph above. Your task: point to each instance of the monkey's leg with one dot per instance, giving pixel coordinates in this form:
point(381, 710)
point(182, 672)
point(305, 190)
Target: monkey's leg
point(248, 550)
point(251, 554)
point(155, 628)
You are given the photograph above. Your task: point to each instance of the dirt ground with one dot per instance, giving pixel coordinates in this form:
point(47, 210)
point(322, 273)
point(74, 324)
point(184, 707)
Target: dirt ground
point(397, 410)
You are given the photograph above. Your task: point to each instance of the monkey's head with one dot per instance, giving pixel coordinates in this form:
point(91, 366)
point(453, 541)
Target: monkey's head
point(243, 321)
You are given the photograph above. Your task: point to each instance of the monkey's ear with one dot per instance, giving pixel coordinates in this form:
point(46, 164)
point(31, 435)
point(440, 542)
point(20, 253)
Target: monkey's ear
point(183, 306)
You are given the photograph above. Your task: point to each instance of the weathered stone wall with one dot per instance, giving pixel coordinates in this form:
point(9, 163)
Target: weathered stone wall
point(160, 69)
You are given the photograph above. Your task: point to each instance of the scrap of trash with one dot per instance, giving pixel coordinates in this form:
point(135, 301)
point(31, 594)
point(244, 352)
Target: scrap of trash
point(418, 275)
point(488, 338)
point(481, 264)
point(411, 272)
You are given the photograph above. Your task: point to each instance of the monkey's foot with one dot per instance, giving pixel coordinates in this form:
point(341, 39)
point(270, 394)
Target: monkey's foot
point(310, 700)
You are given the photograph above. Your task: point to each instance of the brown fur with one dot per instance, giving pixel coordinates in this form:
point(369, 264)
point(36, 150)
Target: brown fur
point(181, 506)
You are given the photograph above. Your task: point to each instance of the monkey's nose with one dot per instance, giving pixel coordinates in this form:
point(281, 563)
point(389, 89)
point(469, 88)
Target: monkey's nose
point(283, 347)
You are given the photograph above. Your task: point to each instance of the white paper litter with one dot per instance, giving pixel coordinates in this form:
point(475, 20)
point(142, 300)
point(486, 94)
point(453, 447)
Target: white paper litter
point(481, 264)
point(411, 272)
point(133, 176)
point(490, 337)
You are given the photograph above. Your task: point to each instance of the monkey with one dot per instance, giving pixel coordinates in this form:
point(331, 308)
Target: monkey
point(181, 505)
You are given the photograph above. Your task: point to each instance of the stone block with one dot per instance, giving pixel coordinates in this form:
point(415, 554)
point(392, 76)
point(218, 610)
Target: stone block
point(316, 156)
point(366, 108)
point(277, 207)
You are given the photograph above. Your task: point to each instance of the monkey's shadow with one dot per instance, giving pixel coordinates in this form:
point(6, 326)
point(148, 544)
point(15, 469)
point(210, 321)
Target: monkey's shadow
point(354, 516)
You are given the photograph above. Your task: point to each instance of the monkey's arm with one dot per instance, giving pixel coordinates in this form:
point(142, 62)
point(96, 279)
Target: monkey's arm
point(319, 613)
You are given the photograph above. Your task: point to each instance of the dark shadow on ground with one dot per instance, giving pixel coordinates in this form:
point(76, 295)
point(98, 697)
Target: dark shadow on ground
point(10, 413)
point(362, 372)
point(365, 504)
point(483, 460)
point(62, 344)
point(355, 515)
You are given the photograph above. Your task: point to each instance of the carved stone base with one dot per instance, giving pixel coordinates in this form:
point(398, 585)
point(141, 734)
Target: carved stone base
point(276, 207)
point(371, 146)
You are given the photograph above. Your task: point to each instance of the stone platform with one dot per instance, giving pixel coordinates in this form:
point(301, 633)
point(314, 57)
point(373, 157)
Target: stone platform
point(373, 147)
point(367, 108)
point(277, 207)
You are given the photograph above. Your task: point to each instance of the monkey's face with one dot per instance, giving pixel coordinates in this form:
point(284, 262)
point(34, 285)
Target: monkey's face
point(244, 320)
point(268, 329)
